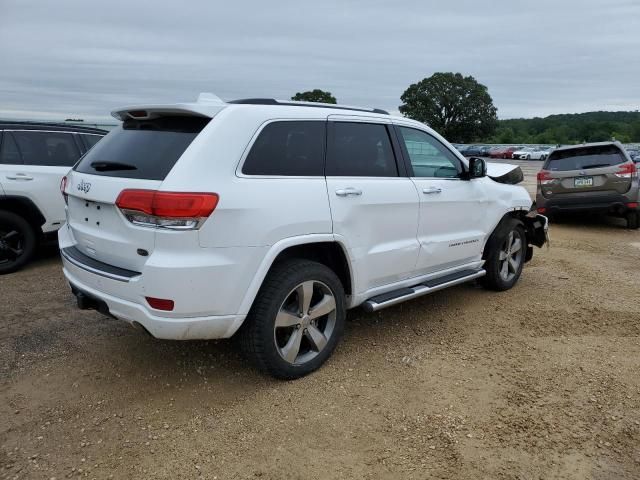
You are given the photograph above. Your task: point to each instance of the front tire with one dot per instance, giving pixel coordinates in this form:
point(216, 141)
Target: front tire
point(296, 320)
point(504, 264)
point(18, 242)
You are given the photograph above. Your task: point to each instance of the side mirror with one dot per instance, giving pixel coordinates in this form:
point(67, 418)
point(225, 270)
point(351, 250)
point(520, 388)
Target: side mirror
point(477, 168)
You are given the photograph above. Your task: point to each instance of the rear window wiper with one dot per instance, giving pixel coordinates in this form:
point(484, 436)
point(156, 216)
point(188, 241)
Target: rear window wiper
point(109, 166)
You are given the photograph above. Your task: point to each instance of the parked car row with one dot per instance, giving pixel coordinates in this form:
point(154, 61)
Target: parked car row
point(516, 152)
point(505, 151)
point(634, 154)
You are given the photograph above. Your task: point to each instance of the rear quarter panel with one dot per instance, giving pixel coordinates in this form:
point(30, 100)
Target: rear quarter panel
point(253, 211)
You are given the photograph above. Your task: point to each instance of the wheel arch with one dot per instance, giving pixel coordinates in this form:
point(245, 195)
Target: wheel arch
point(322, 248)
point(505, 223)
point(25, 208)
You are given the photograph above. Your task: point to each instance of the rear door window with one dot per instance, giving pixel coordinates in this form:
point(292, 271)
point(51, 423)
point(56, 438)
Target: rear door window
point(288, 148)
point(360, 150)
point(9, 153)
point(585, 158)
point(145, 149)
point(54, 149)
point(90, 140)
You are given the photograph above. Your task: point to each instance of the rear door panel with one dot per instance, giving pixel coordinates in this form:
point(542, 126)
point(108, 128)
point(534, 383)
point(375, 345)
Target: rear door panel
point(38, 182)
point(377, 217)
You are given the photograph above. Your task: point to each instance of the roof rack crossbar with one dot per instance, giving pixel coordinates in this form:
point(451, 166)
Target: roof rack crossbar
point(273, 101)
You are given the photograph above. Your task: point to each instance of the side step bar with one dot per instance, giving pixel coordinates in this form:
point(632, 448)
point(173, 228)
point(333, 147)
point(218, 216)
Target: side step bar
point(398, 296)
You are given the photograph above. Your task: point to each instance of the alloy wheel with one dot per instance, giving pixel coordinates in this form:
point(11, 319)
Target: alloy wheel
point(510, 256)
point(11, 245)
point(305, 322)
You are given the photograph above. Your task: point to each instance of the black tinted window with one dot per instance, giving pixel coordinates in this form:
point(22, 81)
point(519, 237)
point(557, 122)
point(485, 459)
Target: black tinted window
point(293, 148)
point(585, 158)
point(142, 148)
point(57, 149)
point(360, 150)
point(9, 154)
point(90, 140)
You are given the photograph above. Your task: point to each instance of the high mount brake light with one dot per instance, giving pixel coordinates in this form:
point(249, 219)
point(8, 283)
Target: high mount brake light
point(627, 170)
point(172, 210)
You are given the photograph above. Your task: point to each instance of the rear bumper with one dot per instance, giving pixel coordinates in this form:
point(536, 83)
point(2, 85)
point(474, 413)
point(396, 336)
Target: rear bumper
point(610, 203)
point(169, 328)
point(208, 287)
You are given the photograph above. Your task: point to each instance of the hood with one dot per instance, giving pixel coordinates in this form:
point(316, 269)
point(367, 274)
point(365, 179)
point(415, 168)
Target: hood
point(505, 173)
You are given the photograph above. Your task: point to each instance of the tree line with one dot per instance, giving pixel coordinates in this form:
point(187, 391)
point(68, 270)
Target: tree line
point(462, 110)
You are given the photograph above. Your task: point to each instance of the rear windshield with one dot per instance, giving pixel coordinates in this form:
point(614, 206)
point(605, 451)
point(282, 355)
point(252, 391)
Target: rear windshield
point(585, 158)
point(146, 149)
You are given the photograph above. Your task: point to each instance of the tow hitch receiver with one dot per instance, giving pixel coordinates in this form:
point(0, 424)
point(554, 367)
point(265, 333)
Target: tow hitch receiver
point(88, 302)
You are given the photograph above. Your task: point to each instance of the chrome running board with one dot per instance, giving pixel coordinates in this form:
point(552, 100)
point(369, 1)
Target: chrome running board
point(402, 295)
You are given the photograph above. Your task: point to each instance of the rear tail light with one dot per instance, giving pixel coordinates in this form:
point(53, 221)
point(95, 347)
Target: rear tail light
point(632, 205)
point(627, 170)
point(544, 177)
point(172, 210)
point(160, 303)
point(63, 188)
point(542, 210)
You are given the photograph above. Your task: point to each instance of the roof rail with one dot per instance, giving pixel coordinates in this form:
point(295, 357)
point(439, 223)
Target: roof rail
point(87, 127)
point(273, 101)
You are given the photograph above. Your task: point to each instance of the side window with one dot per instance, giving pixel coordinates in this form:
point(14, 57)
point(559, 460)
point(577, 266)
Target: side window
point(90, 140)
point(9, 154)
point(56, 149)
point(360, 150)
point(429, 157)
point(290, 148)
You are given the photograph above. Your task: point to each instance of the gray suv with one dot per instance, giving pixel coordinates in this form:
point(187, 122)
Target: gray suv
point(595, 177)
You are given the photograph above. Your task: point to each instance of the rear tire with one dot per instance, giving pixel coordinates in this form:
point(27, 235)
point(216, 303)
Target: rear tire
point(504, 264)
point(281, 335)
point(633, 220)
point(18, 242)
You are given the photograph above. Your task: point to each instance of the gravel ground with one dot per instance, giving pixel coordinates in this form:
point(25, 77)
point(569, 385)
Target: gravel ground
point(535, 383)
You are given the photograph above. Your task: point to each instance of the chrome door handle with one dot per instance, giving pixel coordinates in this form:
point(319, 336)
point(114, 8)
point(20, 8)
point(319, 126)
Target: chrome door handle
point(345, 192)
point(19, 176)
point(431, 190)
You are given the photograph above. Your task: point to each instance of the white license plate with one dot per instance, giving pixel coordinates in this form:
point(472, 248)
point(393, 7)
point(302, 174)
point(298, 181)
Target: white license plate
point(583, 182)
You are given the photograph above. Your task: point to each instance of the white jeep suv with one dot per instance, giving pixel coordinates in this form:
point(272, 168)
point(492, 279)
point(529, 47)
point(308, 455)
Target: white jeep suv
point(270, 219)
point(33, 159)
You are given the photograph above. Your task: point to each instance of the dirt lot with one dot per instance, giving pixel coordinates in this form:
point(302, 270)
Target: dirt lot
point(535, 383)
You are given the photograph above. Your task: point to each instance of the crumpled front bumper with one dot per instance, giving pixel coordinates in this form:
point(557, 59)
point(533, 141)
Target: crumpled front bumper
point(537, 228)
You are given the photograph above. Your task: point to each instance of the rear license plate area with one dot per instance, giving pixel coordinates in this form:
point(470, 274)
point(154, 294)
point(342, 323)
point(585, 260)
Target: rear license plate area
point(583, 182)
point(91, 213)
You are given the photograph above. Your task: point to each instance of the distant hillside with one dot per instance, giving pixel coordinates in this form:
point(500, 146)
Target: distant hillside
point(570, 128)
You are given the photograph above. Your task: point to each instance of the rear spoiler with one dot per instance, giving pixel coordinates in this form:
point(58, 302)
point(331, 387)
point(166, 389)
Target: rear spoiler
point(207, 105)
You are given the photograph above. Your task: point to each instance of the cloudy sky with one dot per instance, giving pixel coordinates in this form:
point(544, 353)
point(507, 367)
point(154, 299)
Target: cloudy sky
point(82, 58)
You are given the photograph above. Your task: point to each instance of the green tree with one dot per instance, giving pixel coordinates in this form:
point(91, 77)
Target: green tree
point(458, 107)
point(316, 95)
